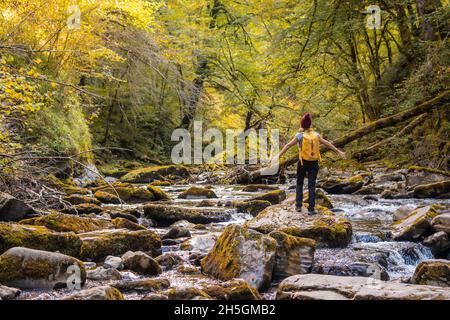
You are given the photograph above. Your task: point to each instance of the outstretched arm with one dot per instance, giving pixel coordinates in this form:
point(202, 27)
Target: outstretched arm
point(332, 147)
point(285, 148)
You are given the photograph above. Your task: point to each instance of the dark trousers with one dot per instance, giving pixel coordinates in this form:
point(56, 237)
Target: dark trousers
point(311, 168)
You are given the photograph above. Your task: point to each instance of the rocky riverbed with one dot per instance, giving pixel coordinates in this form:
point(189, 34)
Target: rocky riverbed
point(378, 234)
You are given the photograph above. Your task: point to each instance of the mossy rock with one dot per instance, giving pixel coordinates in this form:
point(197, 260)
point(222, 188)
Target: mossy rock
point(274, 197)
point(144, 285)
point(440, 190)
point(242, 253)
point(169, 260)
point(84, 208)
point(29, 269)
point(106, 197)
point(80, 199)
point(122, 223)
point(38, 237)
point(294, 255)
point(197, 193)
point(187, 293)
point(325, 228)
point(344, 186)
point(159, 183)
point(131, 194)
point(165, 215)
point(252, 207)
point(414, 225)
point(321, 198)
point(65, 223)
point(98, 245)
point(97, 293)
point(432, 273)
point(12, 209)
point(68, 188)
point(237, 289)
point(158, 193)
point(258, 187)
point(141, 263)
point(149, 174)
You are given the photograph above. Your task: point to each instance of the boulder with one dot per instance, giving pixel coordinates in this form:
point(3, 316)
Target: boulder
point(252, 207)
point(38, 237)
point(242, 253)
point(440, 190)
point(326, 287)
point(343, 186)
point(7, 293)
point(66, 222)
point(169, 260)
point(150, 174)
point(176, 232)
point(12, 209)
point(294, 255)
point(84, 208)
point(321, 198)
point(97, 293)
point(141, 263)
point(158, 193)
point(327, 229)
point(201, 243)
point(432, 273)
point(165, 215)
point(438, 242)
point(106, 197)
point(258, 187)
point(122, 223)
point(124, 215)
point(423, 175)
point(402, 212)
point(441, 223)
point(369, 190)
point(79, 199)
point(236, 289)
point(187, 293)
point(99, 244)
point(188, 269)
point(29, 269)
point(103, 274)
point(274, 197)
point(113, 263)
point(414, 225)
point(143, 285)
point(197, 193)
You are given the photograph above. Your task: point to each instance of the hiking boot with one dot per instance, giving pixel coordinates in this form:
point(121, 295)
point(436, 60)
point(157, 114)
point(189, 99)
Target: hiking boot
point(298, 209)
point(311, 212)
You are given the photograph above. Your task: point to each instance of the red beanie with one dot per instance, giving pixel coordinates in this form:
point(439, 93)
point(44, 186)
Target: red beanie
point(306, 121)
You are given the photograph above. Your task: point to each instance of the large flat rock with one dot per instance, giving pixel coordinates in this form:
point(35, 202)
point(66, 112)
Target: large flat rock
point(326, 228)
point(326, 287)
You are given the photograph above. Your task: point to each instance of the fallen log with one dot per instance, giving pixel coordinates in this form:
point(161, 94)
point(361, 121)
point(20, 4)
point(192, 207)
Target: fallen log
point(364, 153)
point(439, 100)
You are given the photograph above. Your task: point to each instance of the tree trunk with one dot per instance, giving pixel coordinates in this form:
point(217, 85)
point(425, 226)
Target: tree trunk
point(425, 8)
point(382, 123)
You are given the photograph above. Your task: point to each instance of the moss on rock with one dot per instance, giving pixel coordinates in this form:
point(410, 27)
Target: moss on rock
point(106, 197)
point(274, 197)
point(197, 193)
point(432, 273)
point(122, 223)
point(38, 237)
point(149, 174)
point(65, 223)
point(414, 225)
point(439, 189)
point(158, 193)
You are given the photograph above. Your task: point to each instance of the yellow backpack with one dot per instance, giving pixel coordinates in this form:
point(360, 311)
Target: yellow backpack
point(310, 149)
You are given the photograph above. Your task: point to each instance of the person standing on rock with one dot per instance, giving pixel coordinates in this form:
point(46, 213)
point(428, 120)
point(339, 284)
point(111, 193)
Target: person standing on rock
point(309, 142)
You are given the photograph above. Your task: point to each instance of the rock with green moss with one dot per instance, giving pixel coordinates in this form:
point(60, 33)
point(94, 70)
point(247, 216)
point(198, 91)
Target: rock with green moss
point(97, 293)
point(274, 197)
point(149, 174)
point(106, 197)
point(294, 255)
point(165, 214)
point(158, 193)
point(79, 199)
point(326, 228)
point(142, 285)
point(122, 223)
point(344, 186)
point(414, 225)
point(258, 187)
point(29, 269)
point(7, 293)
point(242, 253)
point(68, 188)
point(187, 293)
point(12, 209)
point(197, 193)
point(66, 222)
point(84, 208)
point(252, 207)
point(38, 237)
point(321, 198)
point(236, 289)
point(328, 287)
point(130, 193)
point(141, 263)
point(176, 232)
point(97, 245)
point(432, 273)
point(159, 183)
point(440, 190)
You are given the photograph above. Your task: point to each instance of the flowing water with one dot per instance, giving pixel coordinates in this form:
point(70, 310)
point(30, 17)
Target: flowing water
point(370, 245)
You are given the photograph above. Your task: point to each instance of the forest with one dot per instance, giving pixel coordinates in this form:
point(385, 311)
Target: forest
point(91, 92)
